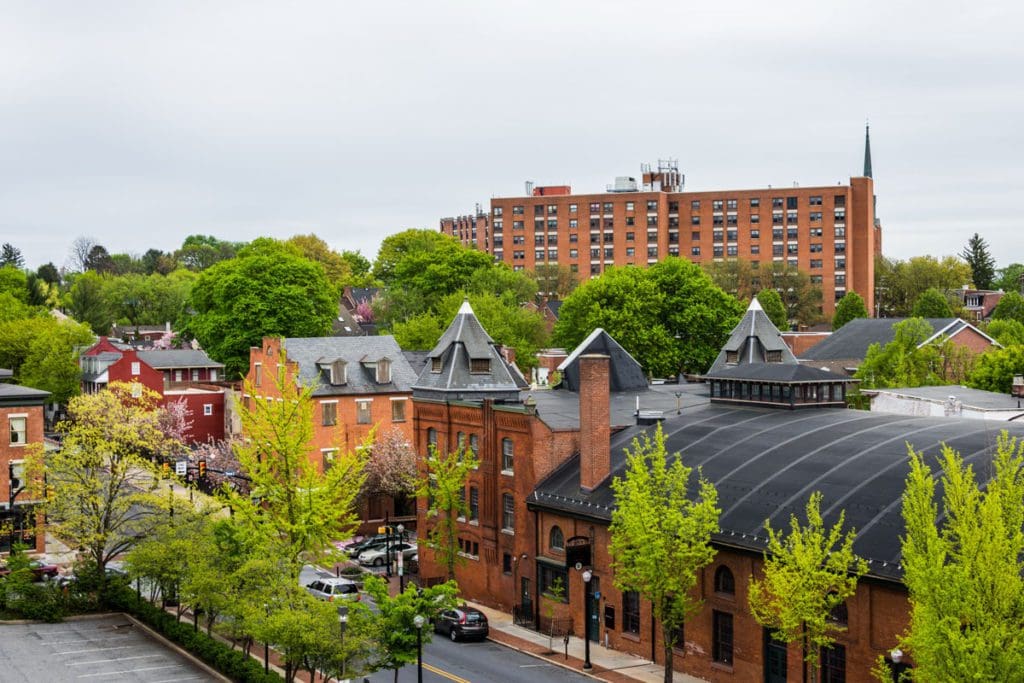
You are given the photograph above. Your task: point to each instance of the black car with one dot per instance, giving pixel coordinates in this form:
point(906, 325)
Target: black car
point(354, 549)
point(462, 622)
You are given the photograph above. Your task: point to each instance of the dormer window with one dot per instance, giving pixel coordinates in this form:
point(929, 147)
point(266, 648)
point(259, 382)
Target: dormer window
point(435, 364)
point(774, 357)
point(480, 366)
point(383, 371)
point(339, 372)
point(732, 357)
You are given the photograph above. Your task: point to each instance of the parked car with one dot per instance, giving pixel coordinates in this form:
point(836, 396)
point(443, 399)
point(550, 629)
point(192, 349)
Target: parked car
point(377, 556)
point(356, 547)
point(41, 571)
point(412, 566)
point(331, 589)
point(462, 622)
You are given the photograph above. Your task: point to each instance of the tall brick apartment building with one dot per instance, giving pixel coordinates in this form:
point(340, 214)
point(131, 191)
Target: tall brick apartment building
point(767, 436)
point(828, 231)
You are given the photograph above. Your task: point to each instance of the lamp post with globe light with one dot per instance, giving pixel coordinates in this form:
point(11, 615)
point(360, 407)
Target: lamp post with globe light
point(418, 621)
point(343, 623)
point(587, 576)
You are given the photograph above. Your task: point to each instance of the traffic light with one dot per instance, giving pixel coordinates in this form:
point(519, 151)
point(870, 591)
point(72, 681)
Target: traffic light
point(202, 469)
point(166, 470)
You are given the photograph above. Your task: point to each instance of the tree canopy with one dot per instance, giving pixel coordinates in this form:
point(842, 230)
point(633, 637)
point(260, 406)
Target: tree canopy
point(739, 277)
point(850, 307)
point(963, 568)
point(900, 363)
point(899, 283)
point(931, 303)
point(1010, 307)
point(994, 369)
point(1007, 332)
point(773, 307)
point(10, 255)
point(983, 266)
point(671, 317)
point(267, 290)
point(40, 351)
point(1010, 278)
point(661, 534)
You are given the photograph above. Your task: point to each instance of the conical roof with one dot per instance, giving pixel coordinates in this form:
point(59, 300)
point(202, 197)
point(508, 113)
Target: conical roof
point(467, 365)
point(754, 340)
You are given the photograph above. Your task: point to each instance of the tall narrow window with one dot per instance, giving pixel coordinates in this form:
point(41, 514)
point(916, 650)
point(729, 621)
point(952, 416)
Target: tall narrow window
point(398, 411)
point(474, 444)
point(363, 412)
point(721, 637)
point(556, 540)
point(19, 431)
point(257, 374)
point(631, 612)
point(508, 512)
point(329, 413)
point(724, 582)
point(431, 441)
point(507, 454)
point(833, 664)
point(474, 504)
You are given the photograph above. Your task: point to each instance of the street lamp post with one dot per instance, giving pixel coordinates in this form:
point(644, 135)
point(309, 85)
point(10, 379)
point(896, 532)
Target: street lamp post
point(419, 621)
point(343, 622)
point(587, 576)
point(401, 557)
point(266, 645)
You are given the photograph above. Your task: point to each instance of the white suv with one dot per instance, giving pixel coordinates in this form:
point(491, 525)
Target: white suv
point(331, 589)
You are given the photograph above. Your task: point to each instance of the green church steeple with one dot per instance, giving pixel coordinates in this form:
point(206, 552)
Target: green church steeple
point(867, 151)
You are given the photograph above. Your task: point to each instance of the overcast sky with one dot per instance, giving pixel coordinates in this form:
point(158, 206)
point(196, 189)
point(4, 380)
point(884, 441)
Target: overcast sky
point(138, 123)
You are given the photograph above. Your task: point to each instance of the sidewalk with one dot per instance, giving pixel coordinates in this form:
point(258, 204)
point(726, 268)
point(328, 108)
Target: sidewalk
point(608, 665)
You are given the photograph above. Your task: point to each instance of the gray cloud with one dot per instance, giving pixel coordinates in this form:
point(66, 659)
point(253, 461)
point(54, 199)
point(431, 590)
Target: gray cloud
point(140, 123)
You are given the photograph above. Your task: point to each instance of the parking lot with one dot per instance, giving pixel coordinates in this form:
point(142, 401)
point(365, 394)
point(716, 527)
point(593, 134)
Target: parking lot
point(108, 648)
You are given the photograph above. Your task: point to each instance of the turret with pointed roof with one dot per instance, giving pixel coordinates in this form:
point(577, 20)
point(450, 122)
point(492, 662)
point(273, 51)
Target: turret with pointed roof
point(756, 366)
point(467, 365)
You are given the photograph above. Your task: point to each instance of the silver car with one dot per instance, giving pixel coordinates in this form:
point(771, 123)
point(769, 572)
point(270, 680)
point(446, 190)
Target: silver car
point(376, 556)
point(331, 589)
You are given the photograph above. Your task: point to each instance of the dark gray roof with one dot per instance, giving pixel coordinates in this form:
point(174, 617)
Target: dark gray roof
point(560, 410)
point(464, 341)
point(417, 360)
point(5, 373)
point(776, 372)
point(751, 339)
point(625, 374)
point(851, 341)
point(554, 305)
point(311, 353)
point(765, 464)
point(15, 395)
point(345, 324)
point(177, 358)
point(970, 398)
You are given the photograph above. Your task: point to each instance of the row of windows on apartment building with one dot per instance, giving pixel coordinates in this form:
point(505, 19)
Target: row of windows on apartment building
point(788, 203)
point(717, 234)
point(508, 448)
point(329, 411)
point(778, 218)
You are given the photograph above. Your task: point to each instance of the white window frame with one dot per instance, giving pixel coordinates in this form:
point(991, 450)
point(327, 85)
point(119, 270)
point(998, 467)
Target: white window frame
point(403, 401)
point(207, 409)
point(10, 424)
point(367, 404)
point(136, 368)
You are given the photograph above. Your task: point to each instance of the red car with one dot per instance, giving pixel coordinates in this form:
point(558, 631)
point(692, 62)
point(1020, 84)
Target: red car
point(41, 570)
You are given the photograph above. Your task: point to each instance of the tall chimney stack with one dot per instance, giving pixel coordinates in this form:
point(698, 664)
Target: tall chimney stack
point(595, 420)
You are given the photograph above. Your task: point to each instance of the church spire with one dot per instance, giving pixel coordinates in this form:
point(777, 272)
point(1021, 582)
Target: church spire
point(867, 150)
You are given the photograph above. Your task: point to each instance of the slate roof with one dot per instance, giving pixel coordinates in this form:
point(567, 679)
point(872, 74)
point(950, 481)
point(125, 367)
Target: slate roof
point(5, 373)
point(554, 306)
point(177, 358)
point(851, 341)
point(310, 352)
point(345, 324)
point(417, 360)
point(15, 394)
point(777, 372)
point(625, 373)
point(765, 464)
point(464, 341)
point(751, 339)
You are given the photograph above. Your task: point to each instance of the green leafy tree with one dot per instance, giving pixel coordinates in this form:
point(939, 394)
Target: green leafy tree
point(52, 360)
point(12, 308)
point(899, 283)
point(742, 279)
point(963, 568)
point(557, 281)
point(931, 304)
point(100, 492)
point(397, 634)
point(420, 332)
point(903, 362)
point(336, 268)
point(294, 507)
point(1011, 278)
point(773, 307)
point(42, 293)
point(87, 304)
point(267, 290)
point(661, 533)
point(850, 307)
point(10, 255)
point(994, 369)
point(199, 252)
point(359, 269)
point(443, 485)
point(49, 273)
point(1007, 331)
point(983, 266)
point(1010, 307)
point(14, 282)
point(670, 316)
point(99, 260)
point(807, 574)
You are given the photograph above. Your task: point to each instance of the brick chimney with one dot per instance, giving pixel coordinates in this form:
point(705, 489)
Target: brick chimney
point(595, 420)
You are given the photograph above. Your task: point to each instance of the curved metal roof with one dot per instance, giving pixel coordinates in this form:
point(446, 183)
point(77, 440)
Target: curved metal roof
point(766, 463)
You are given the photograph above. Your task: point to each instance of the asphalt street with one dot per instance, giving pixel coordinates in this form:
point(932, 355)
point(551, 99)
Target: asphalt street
point(468, 662)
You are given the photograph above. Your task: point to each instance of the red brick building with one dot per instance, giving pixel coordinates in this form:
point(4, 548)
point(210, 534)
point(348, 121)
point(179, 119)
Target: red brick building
point(360, 383)
point(542, 491)
point(21, 414)
point(176, 374)
point(828, 231)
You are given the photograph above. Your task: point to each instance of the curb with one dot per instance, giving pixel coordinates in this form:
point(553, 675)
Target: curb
point(555, 662)
point(175, 647)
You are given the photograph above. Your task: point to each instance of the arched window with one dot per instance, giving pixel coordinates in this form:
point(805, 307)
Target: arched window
point(431, 441)
point(556, 541)
point(839, 614)
point(724, 583)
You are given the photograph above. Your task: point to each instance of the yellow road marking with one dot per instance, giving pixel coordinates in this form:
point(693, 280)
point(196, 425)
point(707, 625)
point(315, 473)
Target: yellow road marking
point(445, 674)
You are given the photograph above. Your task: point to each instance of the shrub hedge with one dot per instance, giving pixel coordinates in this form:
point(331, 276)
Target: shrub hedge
point(234, 664)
